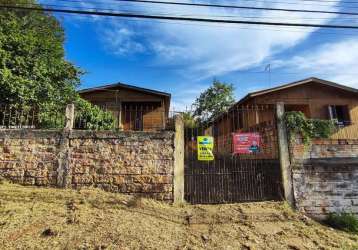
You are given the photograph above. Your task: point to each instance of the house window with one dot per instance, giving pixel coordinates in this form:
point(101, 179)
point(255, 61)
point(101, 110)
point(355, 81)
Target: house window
point(238, 121)
point(215, 131)
point(339, 113)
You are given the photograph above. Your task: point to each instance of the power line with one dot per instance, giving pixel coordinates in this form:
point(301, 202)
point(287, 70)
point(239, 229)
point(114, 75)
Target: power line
point(289, 29)
point(240, 7)
point(242, 27)
point(325, 1)
point(176, 18)
point(188, 15)
point(313, 1)
point(130, 1)
point(267, 1)
point(228, 6)
point(255, 1)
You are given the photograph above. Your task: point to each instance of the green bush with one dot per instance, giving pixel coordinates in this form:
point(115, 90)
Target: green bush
point(343, 221)
point(51, 117)
point(322, 128)
point(92, 117)
point(297, 123)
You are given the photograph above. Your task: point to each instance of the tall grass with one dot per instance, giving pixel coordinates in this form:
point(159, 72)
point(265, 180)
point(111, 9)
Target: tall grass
point(344, 221)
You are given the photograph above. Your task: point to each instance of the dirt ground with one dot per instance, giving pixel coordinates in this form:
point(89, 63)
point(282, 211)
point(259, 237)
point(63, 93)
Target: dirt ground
point(39, 218)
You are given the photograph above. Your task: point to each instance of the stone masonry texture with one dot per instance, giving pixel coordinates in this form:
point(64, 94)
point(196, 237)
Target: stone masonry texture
point(325, 186)
point(325, 176)
point(138, 163)
point(324, 148)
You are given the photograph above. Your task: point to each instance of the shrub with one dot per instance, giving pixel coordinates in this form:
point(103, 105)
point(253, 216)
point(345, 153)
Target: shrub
point(297, 123)
point(322, 128)
point(52, 115)
point(92, 117)
point(343, 221)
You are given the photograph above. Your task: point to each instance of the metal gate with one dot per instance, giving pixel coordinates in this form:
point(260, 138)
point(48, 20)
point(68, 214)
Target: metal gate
point(237, 173)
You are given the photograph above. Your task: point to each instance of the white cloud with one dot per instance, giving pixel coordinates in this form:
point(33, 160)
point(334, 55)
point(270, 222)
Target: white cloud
point(122, 41)
point(214, 49)
point(205, 49)
point(335, 61)
point(186, 95)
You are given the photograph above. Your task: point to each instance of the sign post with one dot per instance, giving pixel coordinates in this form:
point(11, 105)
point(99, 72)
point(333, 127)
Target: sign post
point(205, 148)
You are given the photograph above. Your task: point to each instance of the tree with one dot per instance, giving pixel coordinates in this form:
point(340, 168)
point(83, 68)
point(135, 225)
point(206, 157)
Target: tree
point(33, 68)
point(214, 101)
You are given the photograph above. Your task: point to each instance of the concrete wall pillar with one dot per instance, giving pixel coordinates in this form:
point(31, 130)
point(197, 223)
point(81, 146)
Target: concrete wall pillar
point(64, 174)
point(70, 116)
point(63, 170)
point(120, 122)
point(286, 174)
point(179, 160)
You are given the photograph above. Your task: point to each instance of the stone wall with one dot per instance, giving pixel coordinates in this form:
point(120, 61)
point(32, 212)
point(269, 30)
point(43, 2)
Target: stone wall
point(325, 176)
point(324, 148)
point(130, 162)
point(140, 163)
point(322, 186)
point(30, 157)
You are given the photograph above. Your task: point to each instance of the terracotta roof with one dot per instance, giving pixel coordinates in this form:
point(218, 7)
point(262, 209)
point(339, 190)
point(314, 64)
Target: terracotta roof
point(125, 86)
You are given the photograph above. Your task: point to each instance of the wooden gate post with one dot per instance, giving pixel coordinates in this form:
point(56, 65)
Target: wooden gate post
point(284, 154)
point(179, 160)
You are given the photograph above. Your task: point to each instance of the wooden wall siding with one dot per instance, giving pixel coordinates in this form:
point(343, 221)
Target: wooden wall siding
point(223, 142)
point(317, 97)
point(306, 94)
point(109, 96)
point(351, 131)
point(304, 108)
point(248, 119)
point(312, 99)
point(348, 132)
point(154, 120)
point(153, 109)
point(151, 116)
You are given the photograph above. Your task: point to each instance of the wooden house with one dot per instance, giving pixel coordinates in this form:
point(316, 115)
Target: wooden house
point(134, 108)
point(316, 98)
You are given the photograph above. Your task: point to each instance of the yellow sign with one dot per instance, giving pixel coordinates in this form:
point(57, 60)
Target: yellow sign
point(205, 148)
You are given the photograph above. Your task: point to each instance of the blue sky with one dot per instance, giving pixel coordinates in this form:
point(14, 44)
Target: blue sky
point(182, 58)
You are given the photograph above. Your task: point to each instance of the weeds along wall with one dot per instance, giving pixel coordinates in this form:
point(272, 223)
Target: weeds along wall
point(139, 163)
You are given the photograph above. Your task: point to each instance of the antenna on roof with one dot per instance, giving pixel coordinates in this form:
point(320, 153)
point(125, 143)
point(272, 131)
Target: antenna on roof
point(268, 69)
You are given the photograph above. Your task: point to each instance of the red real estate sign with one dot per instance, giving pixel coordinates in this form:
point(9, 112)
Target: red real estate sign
point(246, 143)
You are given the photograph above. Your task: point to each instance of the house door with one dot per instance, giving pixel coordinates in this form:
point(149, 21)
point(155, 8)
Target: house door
point(141, 116)
point(133, 119)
